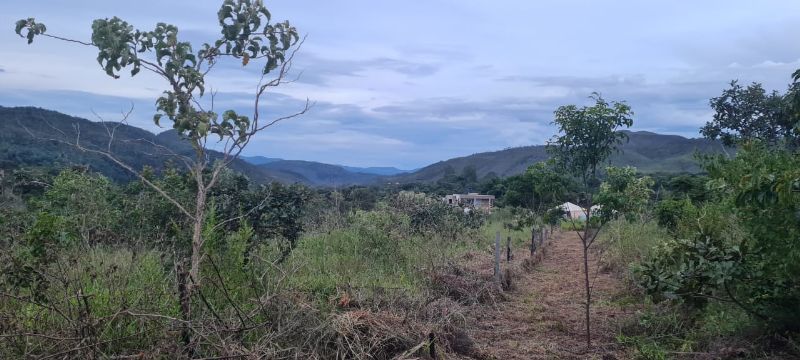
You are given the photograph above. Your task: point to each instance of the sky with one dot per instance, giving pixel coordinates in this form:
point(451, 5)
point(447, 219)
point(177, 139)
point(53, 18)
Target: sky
point(409, 83)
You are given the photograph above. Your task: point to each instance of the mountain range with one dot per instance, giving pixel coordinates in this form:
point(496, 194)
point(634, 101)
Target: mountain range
point(376, 170)
point(38, 137)
point(648, 152)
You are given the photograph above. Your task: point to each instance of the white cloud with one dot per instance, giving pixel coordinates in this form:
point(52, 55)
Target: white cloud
point(405, 84)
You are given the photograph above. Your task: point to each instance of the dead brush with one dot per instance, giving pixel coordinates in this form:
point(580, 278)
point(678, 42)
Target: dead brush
point(529, 263)
point(508, 283)
point(465, 287)
point(394, 324)
point(363, 334)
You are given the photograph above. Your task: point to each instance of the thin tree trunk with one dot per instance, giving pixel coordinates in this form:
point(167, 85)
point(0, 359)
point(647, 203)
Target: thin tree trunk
point(587, 285)
point(191, 281)
point(197, 230)
point(184, 298)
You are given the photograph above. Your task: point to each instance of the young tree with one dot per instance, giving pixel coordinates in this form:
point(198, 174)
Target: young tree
point(624, 193)
point(247, 34)
point(588, 136)
point(531, 194)
point(548, 186)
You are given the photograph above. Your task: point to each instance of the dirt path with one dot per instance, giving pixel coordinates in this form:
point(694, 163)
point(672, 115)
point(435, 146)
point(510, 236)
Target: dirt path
point(543, 318)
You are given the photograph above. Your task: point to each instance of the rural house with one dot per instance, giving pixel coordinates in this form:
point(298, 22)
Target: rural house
point(471, 200)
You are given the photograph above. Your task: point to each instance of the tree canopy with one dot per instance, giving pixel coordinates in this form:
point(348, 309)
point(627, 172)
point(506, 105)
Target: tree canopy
point(588, 135)
point(750, 112)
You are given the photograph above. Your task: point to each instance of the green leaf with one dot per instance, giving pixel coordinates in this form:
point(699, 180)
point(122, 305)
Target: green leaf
point(19, 26)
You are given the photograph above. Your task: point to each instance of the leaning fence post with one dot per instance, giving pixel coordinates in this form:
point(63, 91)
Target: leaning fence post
point(509, 255)
point(497, 257)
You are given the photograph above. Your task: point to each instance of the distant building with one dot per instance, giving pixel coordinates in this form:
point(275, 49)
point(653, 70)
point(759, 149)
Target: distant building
point(572, 211)
point(595, 210)
point(471, 200)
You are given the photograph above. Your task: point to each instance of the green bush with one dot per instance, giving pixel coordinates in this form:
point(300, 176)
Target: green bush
point(741, 247)
point(507, 222)
point(99, 283)
point(671, 212)
point(88, 204)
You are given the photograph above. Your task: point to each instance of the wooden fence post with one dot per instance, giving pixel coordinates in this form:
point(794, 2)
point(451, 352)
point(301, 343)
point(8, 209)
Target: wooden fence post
point(541, 237)
point(509, 255)
point(533, 240)
point(497, 257)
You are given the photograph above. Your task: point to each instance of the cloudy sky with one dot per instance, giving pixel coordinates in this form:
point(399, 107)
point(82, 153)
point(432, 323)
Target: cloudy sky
point(408, 83)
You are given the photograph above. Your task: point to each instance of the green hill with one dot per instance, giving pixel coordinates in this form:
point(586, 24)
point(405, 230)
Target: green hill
point(320, 174)
point(35, 137)
point(27, 133)
point(648, 152)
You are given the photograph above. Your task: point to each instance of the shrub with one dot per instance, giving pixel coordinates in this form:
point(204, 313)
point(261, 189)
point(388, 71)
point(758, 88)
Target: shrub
point(87, 203)
point(672, 212)
point(742, 247)
point(89, 294)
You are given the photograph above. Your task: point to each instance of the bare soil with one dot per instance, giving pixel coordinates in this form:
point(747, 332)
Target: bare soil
point(542, 316)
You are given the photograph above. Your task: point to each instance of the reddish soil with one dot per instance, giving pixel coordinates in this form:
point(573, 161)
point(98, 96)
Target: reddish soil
point(543, 316)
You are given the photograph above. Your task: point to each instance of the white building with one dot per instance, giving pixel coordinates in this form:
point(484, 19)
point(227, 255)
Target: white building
point(471, 200)
point(573, 211)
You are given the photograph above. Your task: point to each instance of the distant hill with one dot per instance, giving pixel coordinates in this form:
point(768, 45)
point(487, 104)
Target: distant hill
point(24, 134)
point(376, 170)
point(648, 152)
point(320, 174)
point(34, 137)
point(259, 160)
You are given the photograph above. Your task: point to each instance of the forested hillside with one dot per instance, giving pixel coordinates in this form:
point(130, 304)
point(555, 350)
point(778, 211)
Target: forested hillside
point(33, 137)
point(22, 126)
point(54, 133)
point(648, 152)
point(319, 174)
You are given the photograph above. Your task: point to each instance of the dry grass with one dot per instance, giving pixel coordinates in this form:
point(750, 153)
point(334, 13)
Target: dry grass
point(542, 318)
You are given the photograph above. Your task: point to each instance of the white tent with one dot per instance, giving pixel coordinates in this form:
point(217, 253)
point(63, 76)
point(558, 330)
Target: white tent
point(595, 209)
point(573, 211)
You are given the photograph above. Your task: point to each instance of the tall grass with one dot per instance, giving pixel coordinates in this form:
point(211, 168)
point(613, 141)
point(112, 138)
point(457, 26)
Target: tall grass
point(625, 242)
point(497, 222)
point(661, 331)
point(377, 251)
point(127, 298)
point(572, 225)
